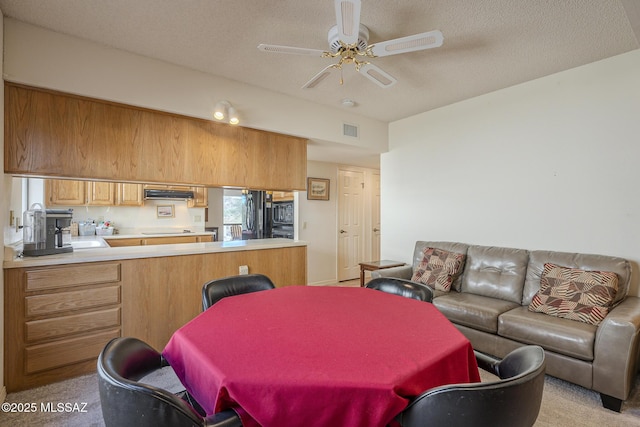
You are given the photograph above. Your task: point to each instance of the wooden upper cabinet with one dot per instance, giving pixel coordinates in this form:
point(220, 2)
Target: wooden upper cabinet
point(50, 133)
point(101, 193)
point(282, 196)
point(129, 194)
point(64, 192)
point(200, 199)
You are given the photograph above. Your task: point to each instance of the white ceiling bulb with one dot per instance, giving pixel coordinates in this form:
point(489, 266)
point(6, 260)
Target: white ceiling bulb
point(219, 113)
point(233, 116)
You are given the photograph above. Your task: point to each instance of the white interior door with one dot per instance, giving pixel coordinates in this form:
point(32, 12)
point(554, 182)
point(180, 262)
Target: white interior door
point(375, 217)
point(350, 224)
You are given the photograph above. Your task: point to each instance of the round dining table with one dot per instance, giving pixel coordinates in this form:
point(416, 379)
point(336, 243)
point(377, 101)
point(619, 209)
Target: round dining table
point(318, 356)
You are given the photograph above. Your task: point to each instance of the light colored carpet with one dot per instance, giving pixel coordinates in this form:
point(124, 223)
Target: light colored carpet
point(563, 404)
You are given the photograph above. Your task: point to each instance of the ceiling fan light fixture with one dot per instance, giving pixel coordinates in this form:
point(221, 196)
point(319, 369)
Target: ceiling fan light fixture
point(349, 44)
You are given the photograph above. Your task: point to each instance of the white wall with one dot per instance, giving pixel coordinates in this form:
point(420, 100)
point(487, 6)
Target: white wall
point(5, 198)
point(140, 219)
point(216, 209)
point(549, 164)
point(317, 225)
point(318, 222)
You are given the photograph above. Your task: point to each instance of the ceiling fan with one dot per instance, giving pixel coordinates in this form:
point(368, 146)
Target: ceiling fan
point(348, 42)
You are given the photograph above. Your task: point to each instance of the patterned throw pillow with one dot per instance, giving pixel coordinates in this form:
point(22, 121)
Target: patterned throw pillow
point(575, 294)
point(438, 268)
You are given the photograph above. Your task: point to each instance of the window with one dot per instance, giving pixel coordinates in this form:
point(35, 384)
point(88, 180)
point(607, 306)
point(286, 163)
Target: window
point(231, 211)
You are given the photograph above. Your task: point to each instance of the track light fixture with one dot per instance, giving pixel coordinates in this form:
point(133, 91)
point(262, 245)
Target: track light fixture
point(225, 111)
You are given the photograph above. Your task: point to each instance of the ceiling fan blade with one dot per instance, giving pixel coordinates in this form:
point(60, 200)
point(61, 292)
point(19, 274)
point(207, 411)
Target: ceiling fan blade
point(348, 18)
point(377, 75)
point(420, 41)
point(272, 48)
point(318, 78)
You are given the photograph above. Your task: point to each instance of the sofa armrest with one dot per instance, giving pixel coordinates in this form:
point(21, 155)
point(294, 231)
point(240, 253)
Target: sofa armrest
point(615, 361)
point(403, 272)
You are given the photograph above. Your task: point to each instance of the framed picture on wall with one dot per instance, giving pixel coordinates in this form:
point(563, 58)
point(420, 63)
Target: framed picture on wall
point(317, 189)
point(165, 211)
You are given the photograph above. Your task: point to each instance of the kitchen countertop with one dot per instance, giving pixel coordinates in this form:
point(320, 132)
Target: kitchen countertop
point(96, 254)
point(151, 234)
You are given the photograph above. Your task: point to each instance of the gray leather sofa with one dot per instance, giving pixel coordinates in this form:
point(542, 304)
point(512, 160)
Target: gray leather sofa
point(489, 303)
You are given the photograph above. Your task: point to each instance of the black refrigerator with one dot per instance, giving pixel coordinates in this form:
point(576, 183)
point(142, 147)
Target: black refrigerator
point(283, 218)
point(257, 215)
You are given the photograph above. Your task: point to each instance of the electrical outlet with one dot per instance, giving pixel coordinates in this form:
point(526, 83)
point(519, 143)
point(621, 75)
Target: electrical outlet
point(244, 269)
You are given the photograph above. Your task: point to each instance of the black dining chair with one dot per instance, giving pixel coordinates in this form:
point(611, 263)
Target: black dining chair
point(214, 290)
point(127, 402)
point(513, 400)
point(402, 287)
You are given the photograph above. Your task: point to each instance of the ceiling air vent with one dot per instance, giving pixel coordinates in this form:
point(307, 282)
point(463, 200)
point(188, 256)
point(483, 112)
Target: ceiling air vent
point(350, 130)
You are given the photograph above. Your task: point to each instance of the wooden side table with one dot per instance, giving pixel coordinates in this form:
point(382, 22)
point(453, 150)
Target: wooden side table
point(377, 265)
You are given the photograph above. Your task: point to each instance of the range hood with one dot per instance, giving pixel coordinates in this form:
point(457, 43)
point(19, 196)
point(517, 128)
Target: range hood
point(168, 195)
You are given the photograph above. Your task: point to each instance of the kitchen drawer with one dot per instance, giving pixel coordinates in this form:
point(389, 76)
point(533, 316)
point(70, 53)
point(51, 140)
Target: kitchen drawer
point(58, 327)
point(86, 274)
point(67, 351)
point(37, 305)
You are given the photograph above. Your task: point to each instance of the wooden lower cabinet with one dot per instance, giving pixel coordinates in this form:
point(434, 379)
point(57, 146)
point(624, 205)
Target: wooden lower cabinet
point(167, 240)
point(116, 243)
point(58, 318)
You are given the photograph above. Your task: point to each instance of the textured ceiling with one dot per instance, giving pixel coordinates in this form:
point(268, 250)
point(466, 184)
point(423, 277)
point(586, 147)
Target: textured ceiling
point(489, 44)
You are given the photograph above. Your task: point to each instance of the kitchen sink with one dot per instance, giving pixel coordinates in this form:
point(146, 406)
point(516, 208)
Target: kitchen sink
point(89, 244)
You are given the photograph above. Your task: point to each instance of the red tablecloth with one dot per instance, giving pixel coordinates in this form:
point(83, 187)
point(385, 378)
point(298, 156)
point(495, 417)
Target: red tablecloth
point(318, 356)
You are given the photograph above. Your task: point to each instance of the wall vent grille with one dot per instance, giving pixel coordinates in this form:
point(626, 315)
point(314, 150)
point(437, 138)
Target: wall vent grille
point(349, 130)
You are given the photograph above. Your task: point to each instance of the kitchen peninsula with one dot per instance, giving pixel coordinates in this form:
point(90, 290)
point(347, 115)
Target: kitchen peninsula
point(60, 310)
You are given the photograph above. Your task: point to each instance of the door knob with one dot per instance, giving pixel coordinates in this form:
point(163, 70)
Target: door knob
point(342, 231)
point(375, 230)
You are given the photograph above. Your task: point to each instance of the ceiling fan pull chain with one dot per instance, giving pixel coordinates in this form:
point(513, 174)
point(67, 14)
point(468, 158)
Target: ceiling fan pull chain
point(341, 80)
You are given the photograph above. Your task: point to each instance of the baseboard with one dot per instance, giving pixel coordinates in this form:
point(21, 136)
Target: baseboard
point(3, 394)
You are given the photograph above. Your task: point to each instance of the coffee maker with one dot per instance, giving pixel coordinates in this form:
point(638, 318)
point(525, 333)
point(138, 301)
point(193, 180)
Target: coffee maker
point(42, 231)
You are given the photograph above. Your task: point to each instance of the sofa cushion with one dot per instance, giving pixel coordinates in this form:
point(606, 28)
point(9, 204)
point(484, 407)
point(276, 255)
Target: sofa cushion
point(474, 311)
point(495, 272)
point(563, 336)
point(537, 259)
point(575, 294)
point(418, 254)
point(438, 268)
